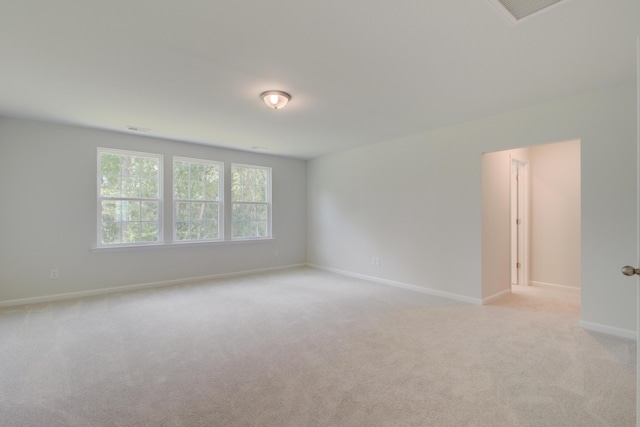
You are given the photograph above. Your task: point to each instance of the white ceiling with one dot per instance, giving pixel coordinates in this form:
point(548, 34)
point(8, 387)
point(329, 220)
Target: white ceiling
point(360, 71)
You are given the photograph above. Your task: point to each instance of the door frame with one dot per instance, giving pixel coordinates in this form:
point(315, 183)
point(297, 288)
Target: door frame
point(519, 233)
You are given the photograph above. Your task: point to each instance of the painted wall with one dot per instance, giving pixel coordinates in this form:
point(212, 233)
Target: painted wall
point(416, 202)
point(48, 214)
point(555, 214)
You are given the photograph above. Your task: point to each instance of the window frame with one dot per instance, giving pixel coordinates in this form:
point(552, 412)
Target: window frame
point(219, 202)
point(268, 203)
point(100, 198)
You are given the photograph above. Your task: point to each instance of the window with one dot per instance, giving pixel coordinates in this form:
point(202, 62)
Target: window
point(250, 201)
point(197, 199)
point(129, 197)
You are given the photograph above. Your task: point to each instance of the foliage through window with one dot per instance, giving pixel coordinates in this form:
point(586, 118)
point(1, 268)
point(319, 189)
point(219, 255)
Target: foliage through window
point(197, 199)
point(129, 197)
point(251, 201)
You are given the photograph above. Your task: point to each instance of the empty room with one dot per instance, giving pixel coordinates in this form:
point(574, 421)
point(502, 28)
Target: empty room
point(293, 214)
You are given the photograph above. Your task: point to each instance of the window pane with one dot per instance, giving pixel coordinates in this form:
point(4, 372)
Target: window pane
point(197, 183)
point(261, 213)
point(108, 211)
point(249, 177)
point(261, 177)
point(261, 194)
point(180, 170)
point(149, 167)
point(211, 228)
point(237, 229)
point(110, 233)
point(127, 178)
point(211, 190)
point(149, 211)
point(196, 230)
point(261, 228)
point(128, 168)
point(131, 232)
point(110, 186)
point(182, 211)
point(131, 186)
point(181, 189)
point(149, 187)
point(250, 184)
point(197, 190)
point(238, 213)
point(248, 229)
point(197, 172)
point(131, 211)
point(182, 230)
point(149, 231)
point(109, 164)
point(211, 211)
point(248, 194)
point(235, 177)
point(197, 211)
point(236, 193)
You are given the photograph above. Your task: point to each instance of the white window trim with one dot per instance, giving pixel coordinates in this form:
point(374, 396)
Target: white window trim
point(268, 203)
point(99, 198)
point(220, 201)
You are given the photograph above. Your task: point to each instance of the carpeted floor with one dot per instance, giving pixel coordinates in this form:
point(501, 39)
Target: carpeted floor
point(309, 348)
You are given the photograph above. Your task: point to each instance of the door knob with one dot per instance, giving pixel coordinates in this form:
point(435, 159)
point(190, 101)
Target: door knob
point(627, 270)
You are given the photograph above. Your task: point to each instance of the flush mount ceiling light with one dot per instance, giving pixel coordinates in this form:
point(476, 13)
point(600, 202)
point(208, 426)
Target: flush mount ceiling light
point(275, 99)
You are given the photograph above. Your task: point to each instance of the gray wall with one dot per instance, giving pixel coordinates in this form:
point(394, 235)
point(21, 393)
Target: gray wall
point(48, 214)
point(416, 202)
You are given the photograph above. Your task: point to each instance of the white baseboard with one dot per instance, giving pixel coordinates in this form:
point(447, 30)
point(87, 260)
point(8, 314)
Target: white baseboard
point(618, 332)
point(435, 292)
point(553, 285)
point(127, 288)
point(497, 296)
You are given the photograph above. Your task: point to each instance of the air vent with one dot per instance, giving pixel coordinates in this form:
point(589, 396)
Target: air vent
point(138, 129)
point(517, 10)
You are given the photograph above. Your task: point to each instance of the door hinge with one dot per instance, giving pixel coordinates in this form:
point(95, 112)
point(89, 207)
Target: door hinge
point(517, 221)
point(518, 265)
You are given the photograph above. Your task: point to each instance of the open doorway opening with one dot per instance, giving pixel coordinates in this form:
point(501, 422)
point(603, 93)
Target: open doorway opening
point(531, 219)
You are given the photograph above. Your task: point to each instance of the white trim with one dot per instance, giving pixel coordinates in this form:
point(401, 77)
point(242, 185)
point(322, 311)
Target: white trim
point(553, 285)
point(268, 202)
point(610, 330)
point(456, 297)
point(219, 201)
point(495, 297)
point(127, 288)
point(159, 199)
point(179, 243)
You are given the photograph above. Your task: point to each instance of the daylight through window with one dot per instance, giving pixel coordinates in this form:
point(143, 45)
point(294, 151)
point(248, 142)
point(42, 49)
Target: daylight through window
point(197, 192)
point(129, 197)
point(251, 201)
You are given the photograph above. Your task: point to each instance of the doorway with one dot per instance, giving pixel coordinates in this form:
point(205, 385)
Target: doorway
point(531, 216)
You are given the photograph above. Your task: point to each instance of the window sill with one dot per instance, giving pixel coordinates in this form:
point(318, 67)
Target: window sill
point(154, 246)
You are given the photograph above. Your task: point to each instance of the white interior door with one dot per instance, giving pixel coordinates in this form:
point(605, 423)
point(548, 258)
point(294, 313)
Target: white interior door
point(518, 220)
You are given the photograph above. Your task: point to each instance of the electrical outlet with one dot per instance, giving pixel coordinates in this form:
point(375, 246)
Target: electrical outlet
point(54, 274)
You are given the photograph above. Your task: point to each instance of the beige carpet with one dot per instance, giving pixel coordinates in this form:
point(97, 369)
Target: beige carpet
point(309, 348)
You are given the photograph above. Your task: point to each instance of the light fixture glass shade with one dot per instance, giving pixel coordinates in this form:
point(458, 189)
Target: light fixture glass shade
point(275, 99)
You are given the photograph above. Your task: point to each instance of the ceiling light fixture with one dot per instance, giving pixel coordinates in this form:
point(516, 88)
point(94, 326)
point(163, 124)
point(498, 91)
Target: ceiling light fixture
point(275, 99)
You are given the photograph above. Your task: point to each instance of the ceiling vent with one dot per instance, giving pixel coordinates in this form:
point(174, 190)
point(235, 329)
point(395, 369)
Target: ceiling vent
point(517, 10)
